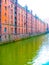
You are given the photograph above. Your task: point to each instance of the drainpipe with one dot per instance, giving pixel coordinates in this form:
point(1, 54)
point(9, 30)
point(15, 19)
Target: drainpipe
point(0, 20)
point(15, 15)
point(26, 19)
point(36, 23)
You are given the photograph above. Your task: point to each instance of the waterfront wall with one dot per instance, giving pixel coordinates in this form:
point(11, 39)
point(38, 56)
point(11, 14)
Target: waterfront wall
point(17, 22)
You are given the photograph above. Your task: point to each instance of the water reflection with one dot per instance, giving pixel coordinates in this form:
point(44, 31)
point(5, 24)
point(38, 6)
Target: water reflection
point(23, 52)
point(46, 63)
point(43, 55)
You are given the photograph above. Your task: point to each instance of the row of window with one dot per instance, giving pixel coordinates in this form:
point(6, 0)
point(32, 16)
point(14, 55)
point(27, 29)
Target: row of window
point(5, 29)
point(6, 3)
point(0, 38)
point(9, 7)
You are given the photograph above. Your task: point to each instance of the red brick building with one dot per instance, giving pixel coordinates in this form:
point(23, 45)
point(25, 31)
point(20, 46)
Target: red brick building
point(17, 21)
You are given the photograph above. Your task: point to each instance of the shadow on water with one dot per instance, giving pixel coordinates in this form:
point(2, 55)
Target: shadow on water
point(19, 53)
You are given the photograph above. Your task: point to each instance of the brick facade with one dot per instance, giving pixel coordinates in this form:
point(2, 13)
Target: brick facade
point(17, 21)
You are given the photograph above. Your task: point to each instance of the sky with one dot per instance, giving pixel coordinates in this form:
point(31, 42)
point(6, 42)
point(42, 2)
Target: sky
point(39, 7)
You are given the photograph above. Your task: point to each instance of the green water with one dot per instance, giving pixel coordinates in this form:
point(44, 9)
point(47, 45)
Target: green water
point(21, 52)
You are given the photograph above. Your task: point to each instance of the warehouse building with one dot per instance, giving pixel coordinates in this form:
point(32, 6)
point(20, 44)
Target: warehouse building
point(17, 21)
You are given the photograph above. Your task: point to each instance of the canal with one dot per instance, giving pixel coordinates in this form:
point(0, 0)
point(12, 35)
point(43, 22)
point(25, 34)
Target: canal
point(32, 51)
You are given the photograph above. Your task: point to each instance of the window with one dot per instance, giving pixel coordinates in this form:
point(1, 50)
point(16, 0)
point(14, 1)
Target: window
point(0, 1)
point(5, 8)
point(19, 30)
point(11, 17)
point(5, 29)
point(11, 22)
point(15, 2)
point(5, 1)
point(0, 38)
point(15, 18)
point(15, 23)
point(11, 30)
point(15, 7)
point(0, 25)
point(0, 7)
point(5, 14)
point(0, 30)
point(5, 36)
point(5, 21)
point(12, 11)
point(11, 5)
point(15, 30)
point(15, 12)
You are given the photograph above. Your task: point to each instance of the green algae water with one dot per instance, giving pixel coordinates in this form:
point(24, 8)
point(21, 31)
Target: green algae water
point(22, 52)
